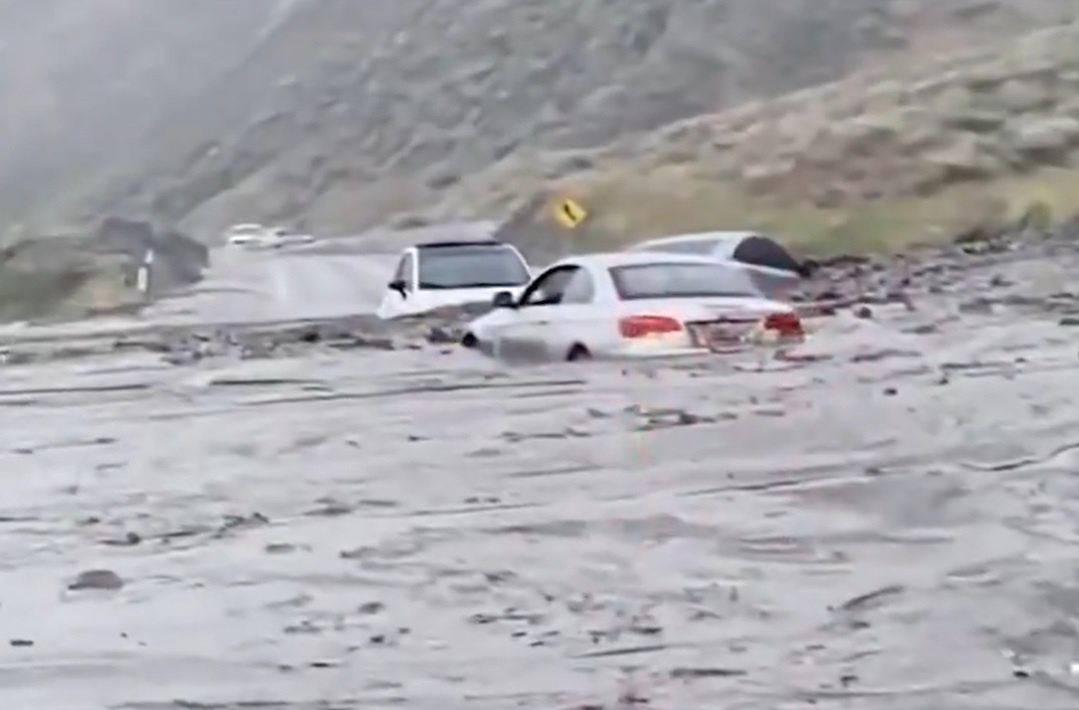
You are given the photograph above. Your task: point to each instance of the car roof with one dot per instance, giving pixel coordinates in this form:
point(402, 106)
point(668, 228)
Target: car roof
point(631, 258)
point(698, 237)
point(448, 244)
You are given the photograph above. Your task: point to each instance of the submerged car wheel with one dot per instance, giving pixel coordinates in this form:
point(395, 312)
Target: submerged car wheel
point(470, 341)
point(578, 353)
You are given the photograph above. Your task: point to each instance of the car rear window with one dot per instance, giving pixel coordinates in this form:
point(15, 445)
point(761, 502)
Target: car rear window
point(675, 280)
point(471, 267)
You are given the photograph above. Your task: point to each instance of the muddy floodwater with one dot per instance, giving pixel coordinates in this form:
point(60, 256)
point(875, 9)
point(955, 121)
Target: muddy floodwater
point(888, 519)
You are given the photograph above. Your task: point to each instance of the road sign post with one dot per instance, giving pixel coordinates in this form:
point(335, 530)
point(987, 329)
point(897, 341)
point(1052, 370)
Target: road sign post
point(144, 273)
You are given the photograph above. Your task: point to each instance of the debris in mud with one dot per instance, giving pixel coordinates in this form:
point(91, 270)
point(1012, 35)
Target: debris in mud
point(872, 599)
point(280, 548)
point(695, 673)
point(21, 643)
point(632, 697)
point(371, 608)
point(239, 522)
point(977, 306)
point(68, 444)
point(568, 433)
point(884, 354)
point(330, 508)
point(98, 579)
point(131, 539)
point(305, 628)
point(656, 419)
point(439, 335)
point(801, 358)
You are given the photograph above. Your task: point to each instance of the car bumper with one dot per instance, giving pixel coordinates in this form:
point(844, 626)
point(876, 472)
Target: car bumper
point(650, 351)
point(660, 350)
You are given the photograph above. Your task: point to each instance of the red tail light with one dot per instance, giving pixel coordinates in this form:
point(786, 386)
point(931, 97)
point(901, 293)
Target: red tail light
point(786, 324)
point(643, 326)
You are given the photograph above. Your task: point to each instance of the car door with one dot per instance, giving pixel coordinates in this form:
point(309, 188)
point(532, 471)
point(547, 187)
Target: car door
point(539, 332)
point(396, 303)
point(575, 320)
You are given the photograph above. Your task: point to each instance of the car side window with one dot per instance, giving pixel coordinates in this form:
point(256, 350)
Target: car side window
point(550, 288)
point(404, 272)
point(580, 289)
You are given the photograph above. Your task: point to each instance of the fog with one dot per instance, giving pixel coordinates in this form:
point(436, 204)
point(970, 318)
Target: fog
point(82, 80)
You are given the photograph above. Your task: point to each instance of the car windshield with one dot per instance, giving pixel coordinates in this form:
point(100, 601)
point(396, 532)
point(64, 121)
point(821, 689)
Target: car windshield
point(471, 267)
point(679, 280)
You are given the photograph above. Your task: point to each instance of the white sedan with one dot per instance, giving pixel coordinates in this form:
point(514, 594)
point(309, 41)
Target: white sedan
point(240, 235)
point(257, 237)
point(628, 305)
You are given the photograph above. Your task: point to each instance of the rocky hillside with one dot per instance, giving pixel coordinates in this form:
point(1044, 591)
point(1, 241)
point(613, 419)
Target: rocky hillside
point(976, 141)
point(335, 115)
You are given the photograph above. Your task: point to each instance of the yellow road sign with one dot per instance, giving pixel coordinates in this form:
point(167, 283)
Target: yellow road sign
point(569, 213)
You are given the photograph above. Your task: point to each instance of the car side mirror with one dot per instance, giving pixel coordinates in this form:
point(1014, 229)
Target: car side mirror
point(398, 285)
point(504, 299)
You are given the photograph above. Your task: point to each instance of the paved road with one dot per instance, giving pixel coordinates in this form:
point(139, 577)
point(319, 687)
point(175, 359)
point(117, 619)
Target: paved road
point(328, 279)
point(244, 286)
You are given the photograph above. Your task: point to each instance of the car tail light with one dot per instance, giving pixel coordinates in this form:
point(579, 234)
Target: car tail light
point(785, 324)
point(644, 326)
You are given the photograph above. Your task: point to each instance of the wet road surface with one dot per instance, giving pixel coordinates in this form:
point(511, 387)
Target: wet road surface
point(892, 526)
point(295, 283)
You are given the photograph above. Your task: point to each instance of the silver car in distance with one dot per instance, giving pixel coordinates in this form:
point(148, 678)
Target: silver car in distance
point(775, 272)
